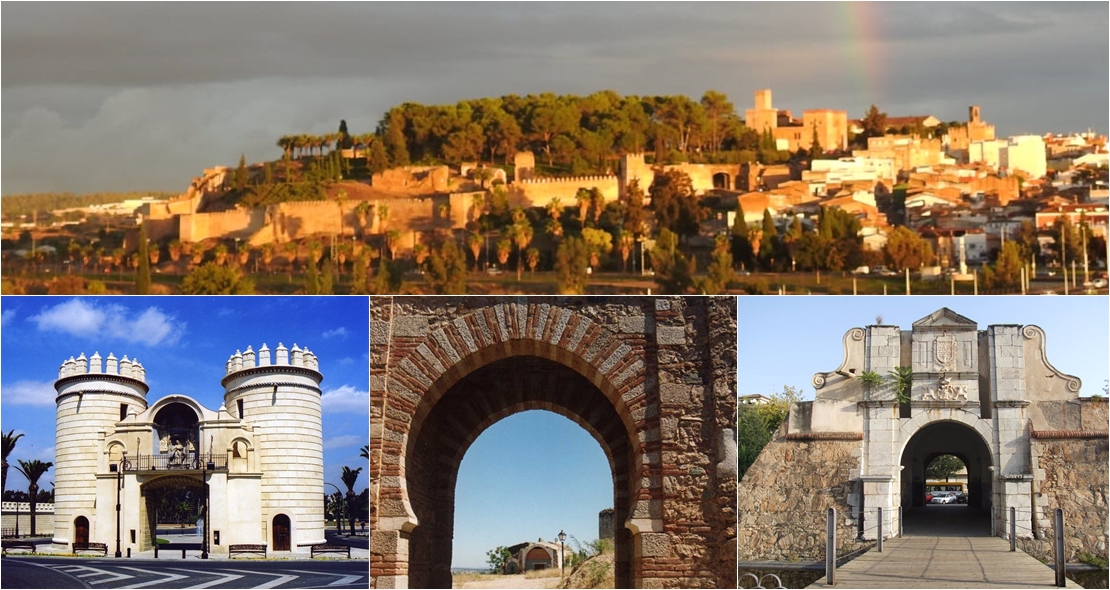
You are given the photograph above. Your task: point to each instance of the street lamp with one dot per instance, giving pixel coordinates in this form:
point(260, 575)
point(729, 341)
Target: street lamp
point(204, 482)
point(118, 468)
point(562, 552)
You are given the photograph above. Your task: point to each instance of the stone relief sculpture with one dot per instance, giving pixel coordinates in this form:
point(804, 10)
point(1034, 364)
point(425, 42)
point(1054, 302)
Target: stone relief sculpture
point(946, 391)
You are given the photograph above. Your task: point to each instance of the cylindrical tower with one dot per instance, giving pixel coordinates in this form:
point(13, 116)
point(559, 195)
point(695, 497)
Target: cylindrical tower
point(92, 398)
point(280, 398)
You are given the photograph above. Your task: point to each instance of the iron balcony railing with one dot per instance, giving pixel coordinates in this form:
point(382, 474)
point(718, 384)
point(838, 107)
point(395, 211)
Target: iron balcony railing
point(170, 462)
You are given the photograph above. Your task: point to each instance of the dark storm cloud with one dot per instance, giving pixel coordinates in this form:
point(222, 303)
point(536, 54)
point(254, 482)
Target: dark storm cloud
point(143, 95)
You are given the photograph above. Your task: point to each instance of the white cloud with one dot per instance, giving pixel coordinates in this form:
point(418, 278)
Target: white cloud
point(346, 440)
point(29, 393)
point(340, 332)
point(86, 319)
point(346, 399)
point(7, 316)
point(345, 361)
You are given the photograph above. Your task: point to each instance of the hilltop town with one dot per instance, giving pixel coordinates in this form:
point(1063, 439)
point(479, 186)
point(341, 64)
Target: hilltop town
point(605, 194)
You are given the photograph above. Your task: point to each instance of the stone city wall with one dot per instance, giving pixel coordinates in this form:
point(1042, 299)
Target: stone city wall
point(538, 192)
point(1070, 474)
point(786, 492)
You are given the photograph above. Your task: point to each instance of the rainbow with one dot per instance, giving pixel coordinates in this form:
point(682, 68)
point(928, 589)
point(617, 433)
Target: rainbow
point(862, 49)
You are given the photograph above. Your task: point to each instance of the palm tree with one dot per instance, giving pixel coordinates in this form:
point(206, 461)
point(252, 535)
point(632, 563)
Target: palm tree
point(349, 477)
point(364, 452)
point(33, 470)
point(9, 445)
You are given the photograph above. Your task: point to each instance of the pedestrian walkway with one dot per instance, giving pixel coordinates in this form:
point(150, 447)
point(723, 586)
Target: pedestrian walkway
point(944, 562)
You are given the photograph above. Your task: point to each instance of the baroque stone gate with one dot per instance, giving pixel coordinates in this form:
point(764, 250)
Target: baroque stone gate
point(652, 379)
point(988, 396)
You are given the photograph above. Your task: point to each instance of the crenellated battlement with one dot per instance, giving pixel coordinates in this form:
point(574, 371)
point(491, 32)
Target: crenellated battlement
point(124, 367)
point(570, 179)
point(282, 356)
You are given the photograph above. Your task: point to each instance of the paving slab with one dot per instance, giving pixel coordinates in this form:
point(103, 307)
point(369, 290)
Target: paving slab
point(944, 562)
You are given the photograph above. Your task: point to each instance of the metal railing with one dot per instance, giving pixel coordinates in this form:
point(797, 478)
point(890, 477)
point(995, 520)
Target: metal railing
point(170, 462)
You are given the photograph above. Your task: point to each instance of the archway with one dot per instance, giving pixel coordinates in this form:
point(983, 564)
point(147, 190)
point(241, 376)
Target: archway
point(81, 531)
point(722, 180)
point(947, 437)
point(471, 404)
point(281, 533)
point(186, 495)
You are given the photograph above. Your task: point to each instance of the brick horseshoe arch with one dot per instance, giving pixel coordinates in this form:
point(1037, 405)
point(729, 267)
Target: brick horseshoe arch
point(444, 370)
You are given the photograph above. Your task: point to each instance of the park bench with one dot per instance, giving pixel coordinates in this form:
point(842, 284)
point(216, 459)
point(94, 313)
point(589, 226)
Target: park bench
point(13, 544)
point(325, 548)
point(101, 547)
point(244, 548)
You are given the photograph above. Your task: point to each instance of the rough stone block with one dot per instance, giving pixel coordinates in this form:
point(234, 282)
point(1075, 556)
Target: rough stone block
point(670, 335)
point(655, 544)
point(410, 326)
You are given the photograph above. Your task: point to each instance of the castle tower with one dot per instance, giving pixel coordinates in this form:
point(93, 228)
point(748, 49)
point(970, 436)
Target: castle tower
point(93, 395)
point(763, 99)
point(279, 397)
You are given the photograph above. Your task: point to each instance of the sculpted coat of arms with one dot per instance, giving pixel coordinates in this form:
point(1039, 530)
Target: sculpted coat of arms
point(945, 353)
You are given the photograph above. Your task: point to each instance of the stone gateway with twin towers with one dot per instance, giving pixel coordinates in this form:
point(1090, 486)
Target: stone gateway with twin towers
point(902, 398)
point(256, 462)
point(652, 379)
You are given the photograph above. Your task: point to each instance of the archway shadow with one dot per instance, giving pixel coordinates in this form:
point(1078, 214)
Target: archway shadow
point(947, 520)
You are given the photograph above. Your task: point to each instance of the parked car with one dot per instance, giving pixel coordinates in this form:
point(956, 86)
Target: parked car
point(961, 498)
point(928, 497)
point(943, 498)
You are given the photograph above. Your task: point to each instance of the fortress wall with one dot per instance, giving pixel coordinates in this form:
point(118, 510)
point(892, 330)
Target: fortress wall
point(541, 191)
point(196, 227)
point(786, 492)
point(1070, 474)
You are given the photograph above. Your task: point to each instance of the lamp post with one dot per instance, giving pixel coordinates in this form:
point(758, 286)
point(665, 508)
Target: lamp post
point(562, 552)
point(119, 486)
point(205, 465)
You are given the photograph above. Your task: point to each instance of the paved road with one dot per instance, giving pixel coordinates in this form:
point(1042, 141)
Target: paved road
point(46, 572)
point(944, 562)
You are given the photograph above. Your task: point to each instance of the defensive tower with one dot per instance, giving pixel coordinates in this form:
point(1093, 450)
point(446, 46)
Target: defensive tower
point(279, 398)
point(93, 395)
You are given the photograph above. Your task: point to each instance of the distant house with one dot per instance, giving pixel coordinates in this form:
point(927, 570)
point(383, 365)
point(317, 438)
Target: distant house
point(754, 398)
point(539, 555)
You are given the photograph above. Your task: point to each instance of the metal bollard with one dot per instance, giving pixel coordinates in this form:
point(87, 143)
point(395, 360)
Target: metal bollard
point(900, 522)
point(128, 553)
point(1013, 529)
point(830, 547)
point(880, 540)
point(182, 554)
point(1058, 544)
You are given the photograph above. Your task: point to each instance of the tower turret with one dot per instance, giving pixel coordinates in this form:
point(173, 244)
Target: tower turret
point(280, 400)
point(91, 399)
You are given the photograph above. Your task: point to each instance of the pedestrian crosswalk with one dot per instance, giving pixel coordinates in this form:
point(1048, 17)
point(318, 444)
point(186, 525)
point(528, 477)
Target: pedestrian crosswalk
point(213, 575)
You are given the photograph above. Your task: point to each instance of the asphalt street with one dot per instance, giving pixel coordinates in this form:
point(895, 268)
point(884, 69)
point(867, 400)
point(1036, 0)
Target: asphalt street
point(56, 572)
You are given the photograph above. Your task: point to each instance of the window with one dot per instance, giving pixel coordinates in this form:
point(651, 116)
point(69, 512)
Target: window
point(122, 411)
point(240, 404)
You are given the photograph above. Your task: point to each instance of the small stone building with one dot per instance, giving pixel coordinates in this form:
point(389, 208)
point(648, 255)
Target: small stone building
point(527, 557)
point(258, 458)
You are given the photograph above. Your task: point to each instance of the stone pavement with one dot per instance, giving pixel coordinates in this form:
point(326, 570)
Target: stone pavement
point(944, 562)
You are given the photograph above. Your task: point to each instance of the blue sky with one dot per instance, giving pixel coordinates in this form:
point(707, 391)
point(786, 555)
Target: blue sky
point(184, 343)
point(785, 340)
point(529, 476)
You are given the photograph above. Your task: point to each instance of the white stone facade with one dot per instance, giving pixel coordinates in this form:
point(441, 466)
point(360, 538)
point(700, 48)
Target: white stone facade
point(260, 455)
point(973, 393)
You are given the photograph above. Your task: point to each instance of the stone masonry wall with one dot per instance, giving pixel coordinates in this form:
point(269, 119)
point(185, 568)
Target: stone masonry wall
point(1070, 474)
point(785, 494)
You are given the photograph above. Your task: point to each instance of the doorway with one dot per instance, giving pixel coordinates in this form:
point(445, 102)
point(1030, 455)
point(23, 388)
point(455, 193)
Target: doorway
point(281, 533)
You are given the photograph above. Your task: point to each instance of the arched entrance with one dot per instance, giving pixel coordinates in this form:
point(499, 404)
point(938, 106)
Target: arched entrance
point(476, 401)
point(947, 437)
point(81, 531)
point(281, 533)
point(174, 502)
point(722, 180)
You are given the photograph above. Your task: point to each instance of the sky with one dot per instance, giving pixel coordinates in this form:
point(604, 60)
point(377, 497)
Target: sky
point(144, 96)
point(785, 340)
point(183, 343)
point(505, 496)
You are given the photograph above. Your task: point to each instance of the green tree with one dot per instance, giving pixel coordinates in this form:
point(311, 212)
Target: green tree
point(9, 440)
point(447, 270)
point(33, 470)
point(598, 243)
point(497, 558)
point(142, 277)
point(349, 477)
point(673, 271)
point(943, 467)
point(1006, 273)
point(758, 423)
point(676, 208)
point(905, 249)
point(635, 215)
point(720, 272)
point(213, 279)
point(874, 124)
point(571, 261)
point(241, 175)
point(767, 240)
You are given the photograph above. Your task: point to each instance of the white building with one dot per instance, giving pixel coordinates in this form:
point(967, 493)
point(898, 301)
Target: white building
point(258, 458)
point(1025, 153)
